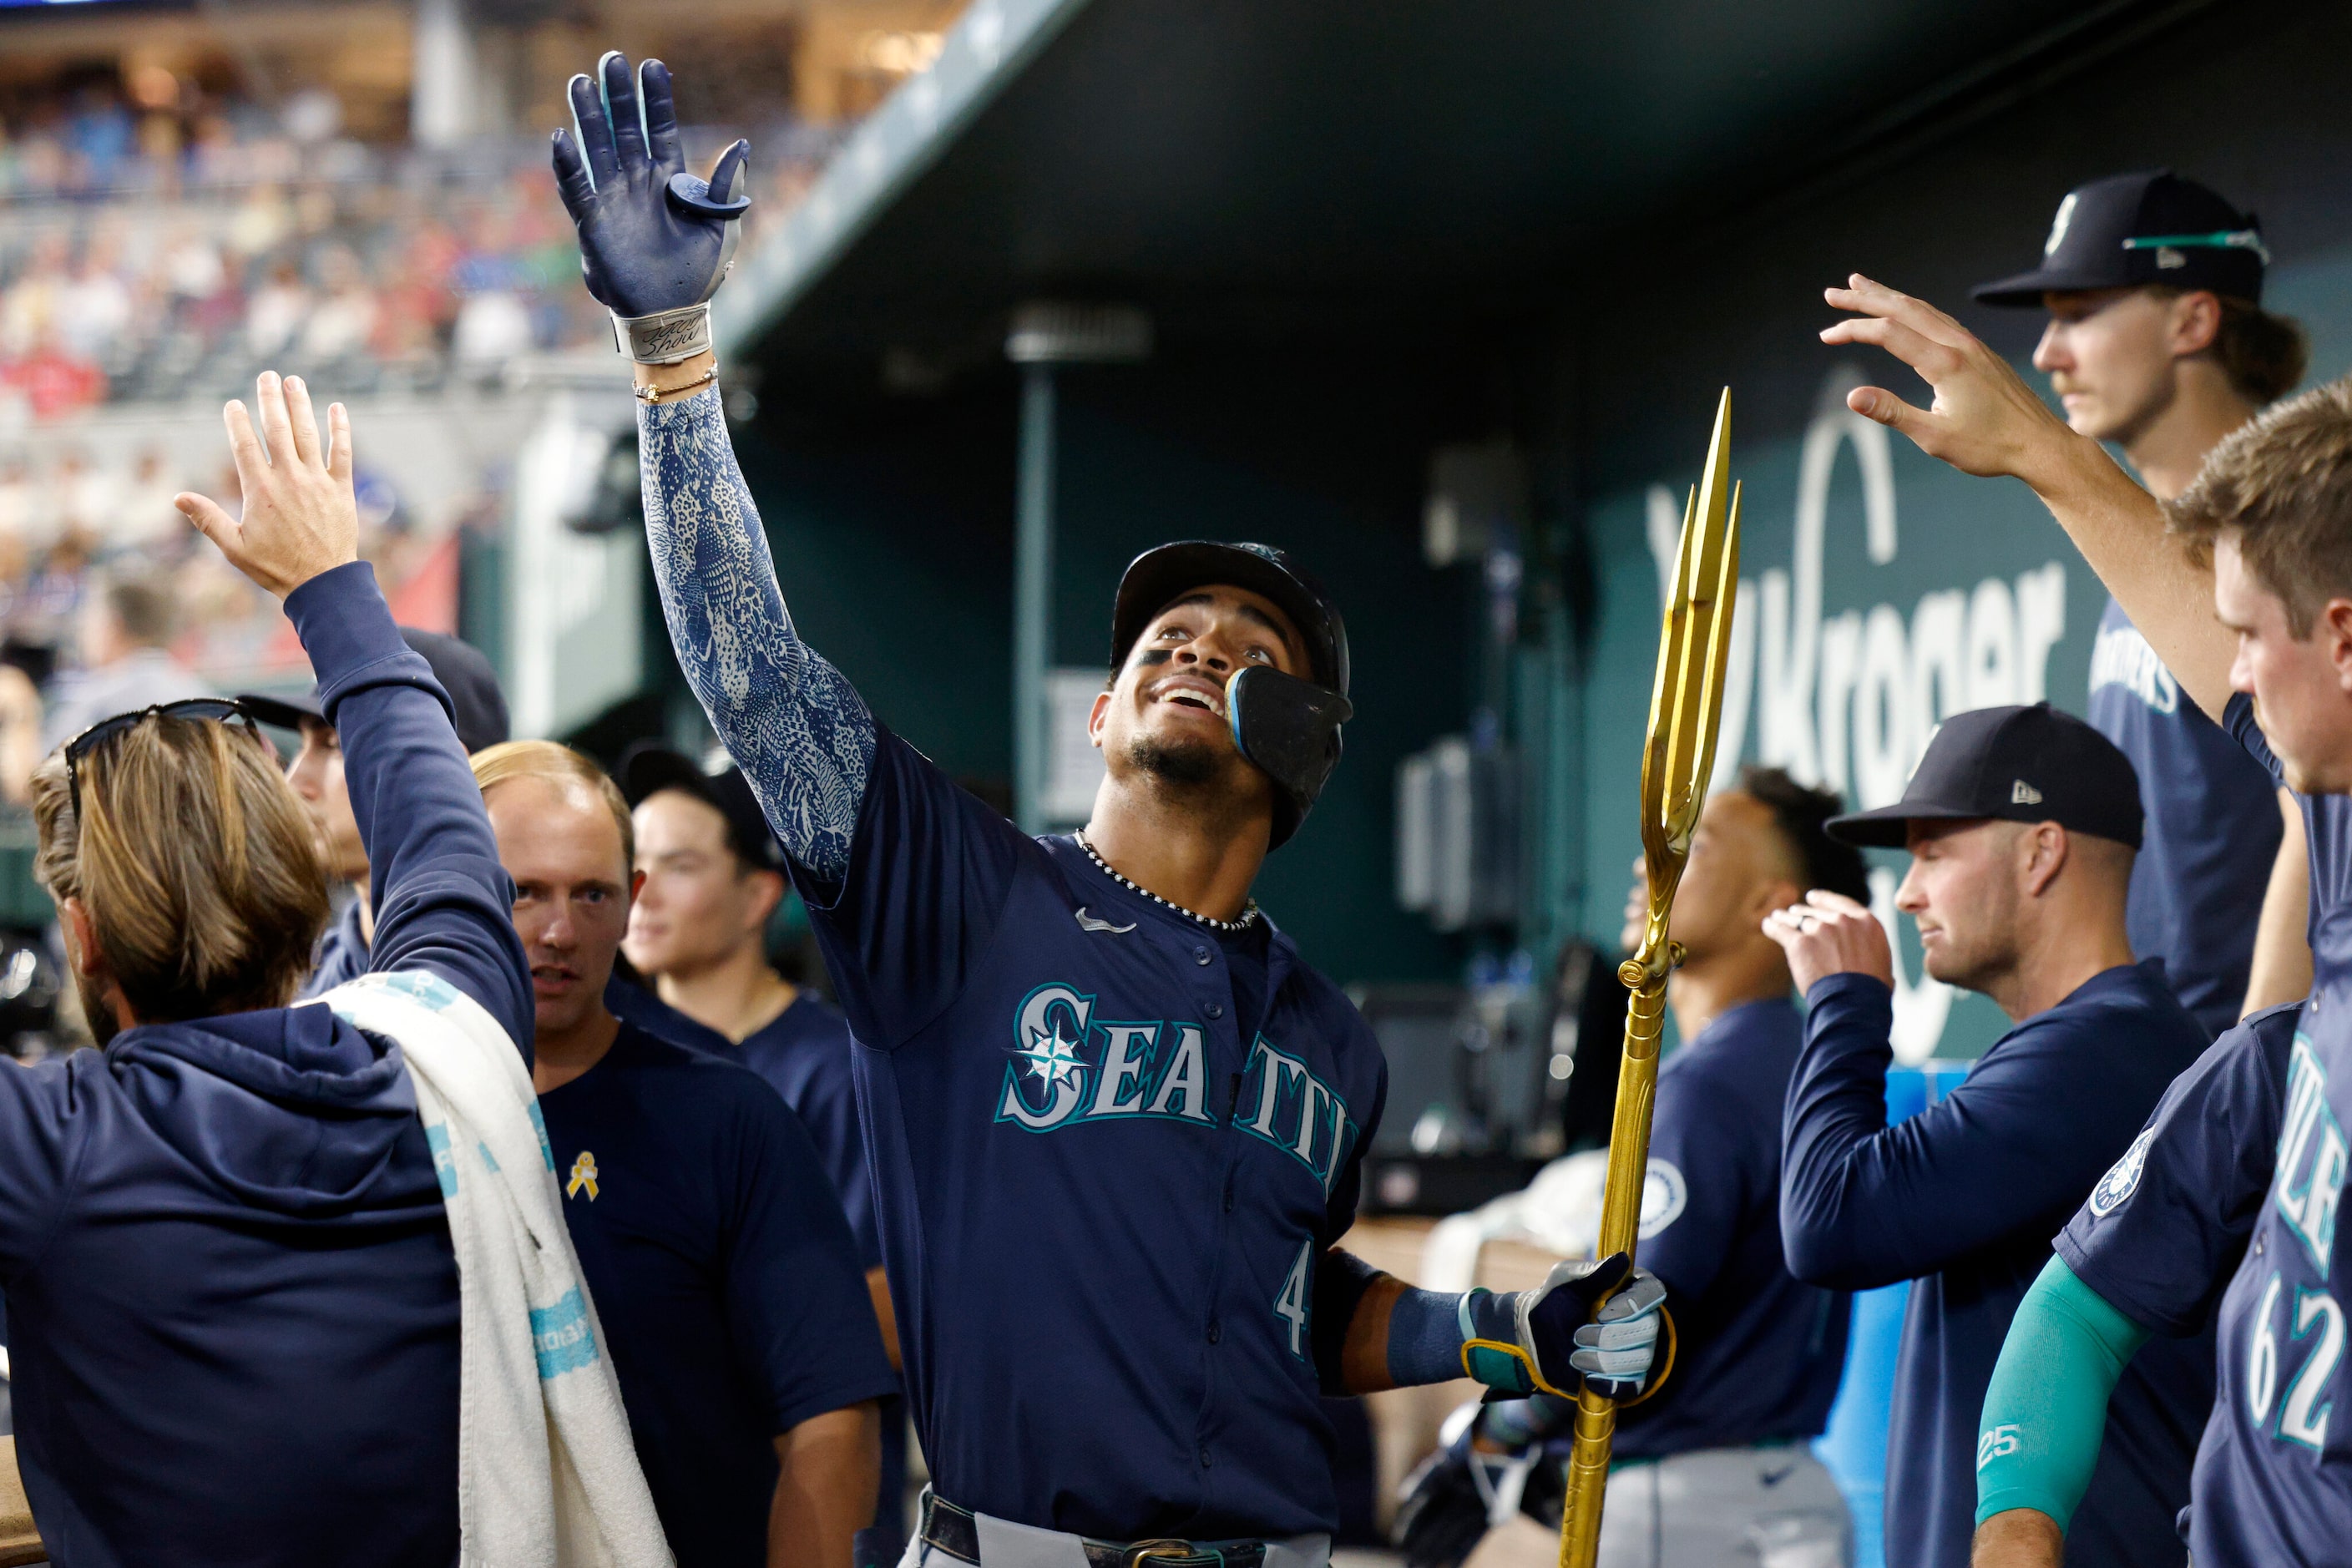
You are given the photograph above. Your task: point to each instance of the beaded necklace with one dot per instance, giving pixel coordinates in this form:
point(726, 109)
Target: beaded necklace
point(1249, 911)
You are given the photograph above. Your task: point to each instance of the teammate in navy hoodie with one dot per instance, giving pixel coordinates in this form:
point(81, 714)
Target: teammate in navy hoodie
point(232, 1301)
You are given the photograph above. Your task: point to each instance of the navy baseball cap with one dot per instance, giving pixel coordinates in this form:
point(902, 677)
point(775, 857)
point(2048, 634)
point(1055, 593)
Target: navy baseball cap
point(1158, 577)
point(478, 705)
point(2129, 230)
point(2018, 764)
point(648, 768)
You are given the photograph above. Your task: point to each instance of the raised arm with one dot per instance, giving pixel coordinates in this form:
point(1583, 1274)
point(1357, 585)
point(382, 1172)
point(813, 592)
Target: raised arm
point(1863, 1203)
point(791, 721)
point(1986, 420)
point(655, 243)
point(442, 900)
point(2280, 972)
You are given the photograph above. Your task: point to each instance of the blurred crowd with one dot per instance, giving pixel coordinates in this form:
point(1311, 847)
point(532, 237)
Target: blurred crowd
point(73, 531)
point(154, 254)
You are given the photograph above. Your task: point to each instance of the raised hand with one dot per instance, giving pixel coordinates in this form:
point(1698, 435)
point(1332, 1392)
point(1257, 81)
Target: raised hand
point(653, 237)
point(1984, 419)
point(302, 516)
point(1830, 934)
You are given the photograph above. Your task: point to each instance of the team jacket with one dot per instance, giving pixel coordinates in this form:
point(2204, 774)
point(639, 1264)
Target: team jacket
point(232, 1304)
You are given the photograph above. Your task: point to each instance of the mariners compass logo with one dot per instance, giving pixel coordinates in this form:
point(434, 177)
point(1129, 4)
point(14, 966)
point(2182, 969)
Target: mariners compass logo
point(2122, 1179)
point(1049, 1058)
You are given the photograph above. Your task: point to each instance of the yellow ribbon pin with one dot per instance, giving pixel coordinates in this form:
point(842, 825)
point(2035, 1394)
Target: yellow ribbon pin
point(584, 1175)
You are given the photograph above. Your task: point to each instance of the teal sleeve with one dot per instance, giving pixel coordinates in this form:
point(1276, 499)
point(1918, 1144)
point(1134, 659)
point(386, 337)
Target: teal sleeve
point(2046, 1409)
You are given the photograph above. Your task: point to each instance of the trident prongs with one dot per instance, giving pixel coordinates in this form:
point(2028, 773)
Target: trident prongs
point(1677, 761)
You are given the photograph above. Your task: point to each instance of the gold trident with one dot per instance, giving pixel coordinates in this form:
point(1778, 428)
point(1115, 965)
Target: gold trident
point(1685, 708)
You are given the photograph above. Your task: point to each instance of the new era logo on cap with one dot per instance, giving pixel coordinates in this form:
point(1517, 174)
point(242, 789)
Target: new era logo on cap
point(1975, 769)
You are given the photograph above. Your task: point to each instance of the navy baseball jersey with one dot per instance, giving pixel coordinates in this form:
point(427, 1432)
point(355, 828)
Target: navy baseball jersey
point(804, 1054)
point(2275, 1476)
point(1110, 1144)
point(2212, 829)
point(1757, 1354)
point(723, 1273)
point(1964, 1199)
point(2165, 1232)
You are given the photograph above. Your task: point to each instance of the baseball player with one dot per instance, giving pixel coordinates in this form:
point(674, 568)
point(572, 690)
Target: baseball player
point(2021, 824)
point(2157, 342)
point(2151, 1252)
point(2254, 616)
point(1118, 1122)
point(712, 873)
point(723, 1274)
point(476, 706)
point(1711, 1464)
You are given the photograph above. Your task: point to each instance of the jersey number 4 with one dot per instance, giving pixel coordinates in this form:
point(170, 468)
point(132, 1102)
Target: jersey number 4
point(1291, 1305)
point(2304, 1418)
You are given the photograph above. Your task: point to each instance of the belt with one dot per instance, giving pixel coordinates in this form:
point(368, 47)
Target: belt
point(953, 1531)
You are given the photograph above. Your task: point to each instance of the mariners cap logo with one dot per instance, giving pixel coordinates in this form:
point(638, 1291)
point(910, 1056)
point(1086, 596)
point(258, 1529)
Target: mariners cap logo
point(2058, 225)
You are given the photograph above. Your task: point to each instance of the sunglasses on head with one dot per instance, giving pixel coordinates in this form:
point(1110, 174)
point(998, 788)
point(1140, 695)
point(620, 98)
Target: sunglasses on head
point(218, 710)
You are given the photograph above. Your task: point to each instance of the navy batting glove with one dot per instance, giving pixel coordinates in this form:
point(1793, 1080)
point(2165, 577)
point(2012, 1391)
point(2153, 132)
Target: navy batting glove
point(1612, 1356)
point(653, 237)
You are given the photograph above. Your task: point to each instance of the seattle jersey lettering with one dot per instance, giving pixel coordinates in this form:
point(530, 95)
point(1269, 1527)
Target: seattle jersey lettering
point(2121, 656)
point(2297, 1343)
point(1069, 1065)
point(1295, 1111)
point(2311, 1155)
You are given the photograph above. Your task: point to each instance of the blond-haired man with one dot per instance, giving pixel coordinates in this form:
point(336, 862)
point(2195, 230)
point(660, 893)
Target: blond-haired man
point(721, 1266)
point(232, 1306)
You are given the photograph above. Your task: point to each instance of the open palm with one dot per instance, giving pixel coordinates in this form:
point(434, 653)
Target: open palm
point(653, 237)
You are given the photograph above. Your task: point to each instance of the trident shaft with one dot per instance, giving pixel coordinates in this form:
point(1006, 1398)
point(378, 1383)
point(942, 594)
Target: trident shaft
point(1677, 761)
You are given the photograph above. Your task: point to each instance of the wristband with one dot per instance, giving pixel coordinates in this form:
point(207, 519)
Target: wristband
point(651, 395)
point(665, 337)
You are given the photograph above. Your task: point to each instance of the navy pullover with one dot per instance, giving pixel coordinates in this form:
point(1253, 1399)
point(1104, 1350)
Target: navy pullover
point(232, 1301)
point(1964, 1199)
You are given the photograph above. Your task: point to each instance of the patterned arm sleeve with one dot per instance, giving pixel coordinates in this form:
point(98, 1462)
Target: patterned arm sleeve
point(791, 721)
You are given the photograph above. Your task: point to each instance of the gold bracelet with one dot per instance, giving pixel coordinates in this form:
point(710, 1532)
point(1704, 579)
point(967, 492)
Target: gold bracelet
point(655, 394)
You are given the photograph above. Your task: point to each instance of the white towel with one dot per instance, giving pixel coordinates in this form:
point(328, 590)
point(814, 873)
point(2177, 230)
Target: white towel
point(547, 1474)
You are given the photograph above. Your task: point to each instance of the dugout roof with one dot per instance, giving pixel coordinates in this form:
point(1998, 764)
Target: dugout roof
point(1279, 166)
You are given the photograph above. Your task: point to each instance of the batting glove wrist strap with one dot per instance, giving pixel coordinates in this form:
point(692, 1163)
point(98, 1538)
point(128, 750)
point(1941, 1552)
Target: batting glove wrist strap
point(1493, 1350)
point(665, 337)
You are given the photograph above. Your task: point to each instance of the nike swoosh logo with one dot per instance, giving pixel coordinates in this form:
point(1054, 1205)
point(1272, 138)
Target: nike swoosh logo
point(1088, 922)
point(1774, 1478)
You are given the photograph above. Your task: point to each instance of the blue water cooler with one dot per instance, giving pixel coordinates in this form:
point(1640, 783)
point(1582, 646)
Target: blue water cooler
point(1854, 1445)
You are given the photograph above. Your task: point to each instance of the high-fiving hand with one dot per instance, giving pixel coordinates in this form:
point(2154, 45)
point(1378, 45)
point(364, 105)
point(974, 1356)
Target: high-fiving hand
point(653, 237)
point(1984, 418)
point(302, 516)
point(1829, 933)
